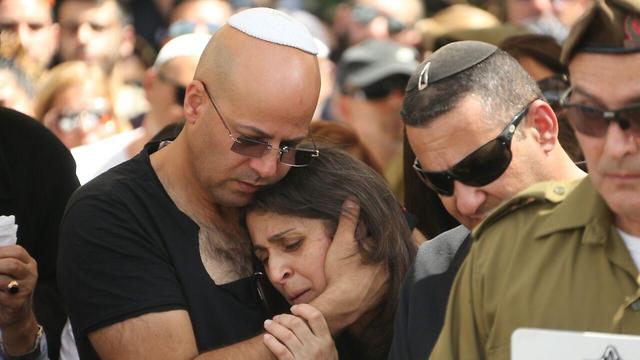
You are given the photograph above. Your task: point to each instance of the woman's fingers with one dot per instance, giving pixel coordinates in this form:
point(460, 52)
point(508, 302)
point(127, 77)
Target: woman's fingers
point(283, 334)
point(277, 348)
point(314, 318)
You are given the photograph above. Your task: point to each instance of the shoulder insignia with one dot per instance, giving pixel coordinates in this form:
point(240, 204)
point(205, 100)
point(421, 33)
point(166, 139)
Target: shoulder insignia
point(550, 191)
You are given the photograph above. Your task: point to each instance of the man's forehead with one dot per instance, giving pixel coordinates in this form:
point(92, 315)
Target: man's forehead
point(106, 11)
point(26, 9)
point(607, 76)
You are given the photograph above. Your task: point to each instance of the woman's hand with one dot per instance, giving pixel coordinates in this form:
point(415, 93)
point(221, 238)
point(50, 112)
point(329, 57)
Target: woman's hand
point(301, 336)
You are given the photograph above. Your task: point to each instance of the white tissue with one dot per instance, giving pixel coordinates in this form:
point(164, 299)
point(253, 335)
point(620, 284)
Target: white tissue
point(8, 230)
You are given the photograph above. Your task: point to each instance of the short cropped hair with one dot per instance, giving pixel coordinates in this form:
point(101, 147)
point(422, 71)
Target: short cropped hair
point(318, 191)
point(499, 82)
point(124, 13)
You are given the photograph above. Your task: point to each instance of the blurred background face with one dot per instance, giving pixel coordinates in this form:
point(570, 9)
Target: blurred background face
point(80, 114)
point(198, 16)
point(384, 19)
point(168, 84)
point(91, 33)
point(31, 21)
point(293, 251)
point(519, 12)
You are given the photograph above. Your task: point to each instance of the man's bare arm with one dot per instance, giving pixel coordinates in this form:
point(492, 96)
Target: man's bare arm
point(165, 335)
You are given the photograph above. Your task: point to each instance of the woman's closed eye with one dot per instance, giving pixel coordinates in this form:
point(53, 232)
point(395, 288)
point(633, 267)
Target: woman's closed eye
point(293, 244)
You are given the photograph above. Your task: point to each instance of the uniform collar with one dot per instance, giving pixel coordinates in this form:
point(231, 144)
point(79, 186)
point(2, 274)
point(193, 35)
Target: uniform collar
point(583, 207)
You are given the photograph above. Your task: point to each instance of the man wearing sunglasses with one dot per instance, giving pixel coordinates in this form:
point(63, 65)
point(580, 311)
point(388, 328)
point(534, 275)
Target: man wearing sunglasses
point(165, 84)
point(154, 263)
point(371, 78)
point(568, 257)
point(481, 133)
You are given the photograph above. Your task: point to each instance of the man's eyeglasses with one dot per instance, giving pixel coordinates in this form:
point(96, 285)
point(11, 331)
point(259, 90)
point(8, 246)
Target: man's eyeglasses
point(365, 14)
point(247, 146)
point(479, 168)
point(180, 90)
point(594, 121)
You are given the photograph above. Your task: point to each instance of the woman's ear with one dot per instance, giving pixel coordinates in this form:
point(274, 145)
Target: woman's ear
point(545, 124)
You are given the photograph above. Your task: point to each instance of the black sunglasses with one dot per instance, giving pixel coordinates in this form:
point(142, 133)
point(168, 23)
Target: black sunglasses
point(479, 168)
point(379, 89)
point(180, 90)
point(247, 146)
point(593, 121)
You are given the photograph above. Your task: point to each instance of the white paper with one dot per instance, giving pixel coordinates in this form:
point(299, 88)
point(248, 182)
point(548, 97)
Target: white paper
point(8, 230)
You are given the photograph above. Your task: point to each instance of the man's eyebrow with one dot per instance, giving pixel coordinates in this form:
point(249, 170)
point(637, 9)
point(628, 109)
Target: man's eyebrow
point(594, 98)
point(254, 131)
point(278, 236)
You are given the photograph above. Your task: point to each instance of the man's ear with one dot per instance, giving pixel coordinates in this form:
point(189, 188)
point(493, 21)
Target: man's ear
point(340, 106)
point(194, 102)
point(128, 42)
point(148, 79)
point(544, 124)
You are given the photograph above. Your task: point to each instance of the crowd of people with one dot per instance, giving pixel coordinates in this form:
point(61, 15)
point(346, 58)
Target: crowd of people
point(367, 179)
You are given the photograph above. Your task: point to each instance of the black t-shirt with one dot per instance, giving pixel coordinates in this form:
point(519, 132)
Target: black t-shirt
point(127, 250)
point(37, 177)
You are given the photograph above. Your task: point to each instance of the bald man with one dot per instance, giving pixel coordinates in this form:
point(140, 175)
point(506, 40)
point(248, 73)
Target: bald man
point(154, 263)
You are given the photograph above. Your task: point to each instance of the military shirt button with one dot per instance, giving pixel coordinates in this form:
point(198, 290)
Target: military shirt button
point(559, 190)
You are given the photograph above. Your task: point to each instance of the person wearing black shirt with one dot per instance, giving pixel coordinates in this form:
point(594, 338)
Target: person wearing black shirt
point(37, 177)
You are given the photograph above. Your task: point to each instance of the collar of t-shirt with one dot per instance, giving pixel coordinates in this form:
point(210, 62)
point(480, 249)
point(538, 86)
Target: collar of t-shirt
point(633, 244)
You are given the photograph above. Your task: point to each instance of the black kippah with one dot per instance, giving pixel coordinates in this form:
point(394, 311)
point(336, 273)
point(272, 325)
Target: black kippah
point(449, 60)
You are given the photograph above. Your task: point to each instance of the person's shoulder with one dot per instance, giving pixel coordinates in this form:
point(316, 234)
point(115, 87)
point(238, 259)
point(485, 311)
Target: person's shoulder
point(529, 207)
point(116, 184)
point(22, 133)
point(434, 255)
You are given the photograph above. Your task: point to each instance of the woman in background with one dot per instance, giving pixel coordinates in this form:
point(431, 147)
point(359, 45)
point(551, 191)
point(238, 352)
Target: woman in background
point(74, 102)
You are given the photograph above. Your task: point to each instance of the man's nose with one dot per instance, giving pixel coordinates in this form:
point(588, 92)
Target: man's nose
point(469, 199)
point(619, 142)
point(84, 33)
point(24, 35)
point(266, 165)
point(379, 28)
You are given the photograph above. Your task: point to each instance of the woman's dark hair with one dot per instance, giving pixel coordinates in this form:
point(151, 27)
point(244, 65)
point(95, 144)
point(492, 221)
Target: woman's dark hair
point(423, 203)
point(318, 191)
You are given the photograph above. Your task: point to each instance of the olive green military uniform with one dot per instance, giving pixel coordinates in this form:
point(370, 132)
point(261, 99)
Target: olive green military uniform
point(557, 262)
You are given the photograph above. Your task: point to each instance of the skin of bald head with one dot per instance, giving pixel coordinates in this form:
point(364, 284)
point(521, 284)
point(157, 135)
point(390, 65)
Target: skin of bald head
point(263, 91)
point(243, 65)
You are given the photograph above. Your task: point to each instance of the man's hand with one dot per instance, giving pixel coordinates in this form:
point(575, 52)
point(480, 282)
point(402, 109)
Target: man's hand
point(352, 286)
point(17, 320)
point(304, 335)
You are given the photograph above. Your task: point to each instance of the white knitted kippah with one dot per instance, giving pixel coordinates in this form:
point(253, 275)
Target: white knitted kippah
point(183, 45)
point(275, 27)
